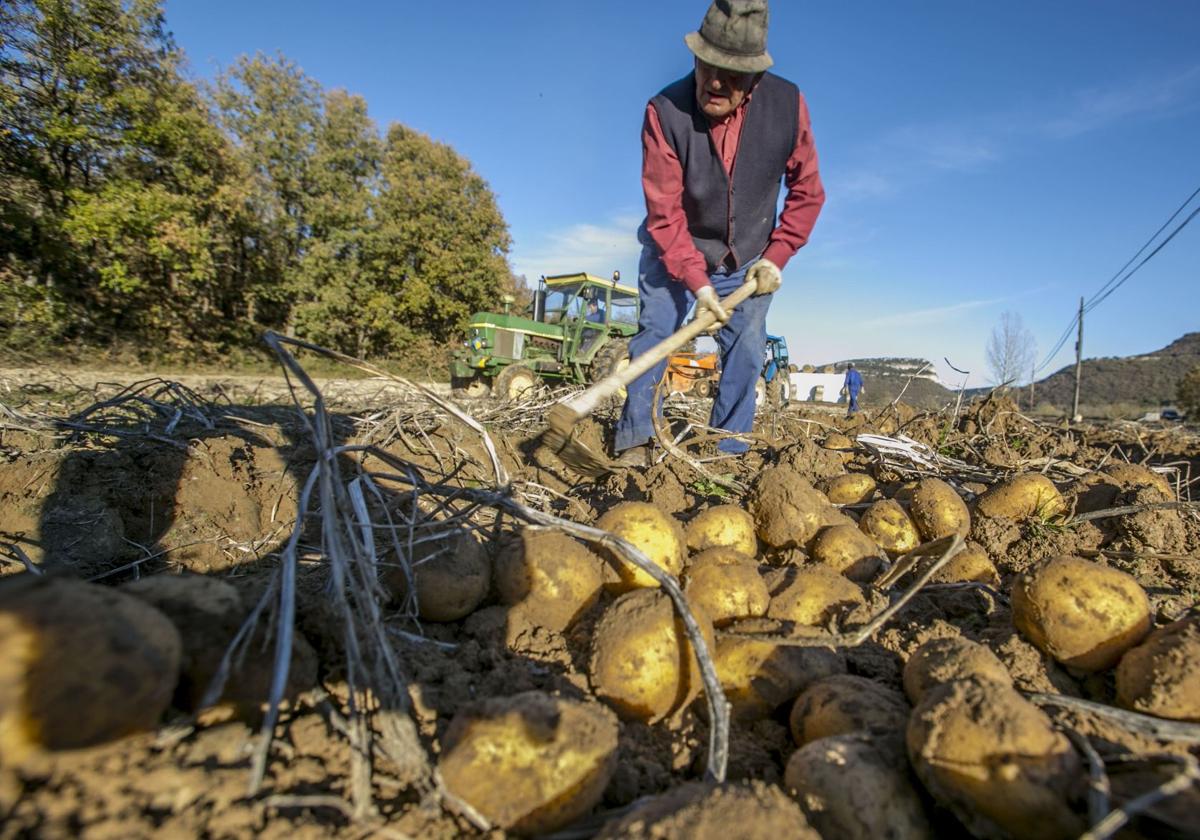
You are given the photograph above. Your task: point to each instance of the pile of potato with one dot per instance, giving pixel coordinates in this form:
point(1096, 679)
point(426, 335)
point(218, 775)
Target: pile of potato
point(865, 760)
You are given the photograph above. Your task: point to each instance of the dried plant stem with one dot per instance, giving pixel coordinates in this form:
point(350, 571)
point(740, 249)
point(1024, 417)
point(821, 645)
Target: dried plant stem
point(1187, 775)
point(1164, 730)
point(1128, 509)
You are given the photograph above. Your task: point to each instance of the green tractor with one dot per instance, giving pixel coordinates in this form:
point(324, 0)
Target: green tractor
point(576, 330)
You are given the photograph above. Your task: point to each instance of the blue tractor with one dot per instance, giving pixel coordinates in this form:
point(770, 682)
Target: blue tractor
point(774, 386)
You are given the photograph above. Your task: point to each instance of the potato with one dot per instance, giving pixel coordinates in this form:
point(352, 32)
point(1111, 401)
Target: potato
point(1161, 676)
point(1100, 490)
point(811, 595)
point(83, 664)
point(1081, 613)
point(848, 489)
point(208, 612)
point(841, 444)
point(721, 555)
point(747, 810)
point(642, 663)
point(847, 550)
point(890, 527)
point(850, 789)
point(453, 576)
point(727, 592)
point(787, 510)
point(843, 704)
point(995, 760)
point(649, 529)
point(972, 564)
point(940, 661)
point(759, 676)
point(555, 577)
point(530, 763)
point(723, 525)
point(937, 510)
point(1020, 497)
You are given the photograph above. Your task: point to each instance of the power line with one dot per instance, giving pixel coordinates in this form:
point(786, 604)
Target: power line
point(1113, 283)
point(1182, 225)
point(1099, 291)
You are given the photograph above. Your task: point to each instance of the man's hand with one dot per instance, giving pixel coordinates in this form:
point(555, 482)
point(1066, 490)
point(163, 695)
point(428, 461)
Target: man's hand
point(706, 298)
point(766, 275)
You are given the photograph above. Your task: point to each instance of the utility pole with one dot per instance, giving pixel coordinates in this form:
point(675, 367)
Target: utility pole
point(1078, 363)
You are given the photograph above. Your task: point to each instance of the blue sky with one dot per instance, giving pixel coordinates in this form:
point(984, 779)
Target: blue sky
point(978, 157)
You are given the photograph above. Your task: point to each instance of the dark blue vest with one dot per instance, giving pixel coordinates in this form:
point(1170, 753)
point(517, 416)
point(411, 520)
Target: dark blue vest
point(730, 223)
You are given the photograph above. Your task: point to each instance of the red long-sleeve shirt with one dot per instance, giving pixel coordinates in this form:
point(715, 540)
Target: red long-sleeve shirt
point(662, 183)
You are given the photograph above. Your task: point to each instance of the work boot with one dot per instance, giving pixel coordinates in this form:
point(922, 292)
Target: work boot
point(635, 457)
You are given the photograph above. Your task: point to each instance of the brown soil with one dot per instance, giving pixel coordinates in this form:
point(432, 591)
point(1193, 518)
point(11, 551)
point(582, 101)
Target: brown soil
point(217, 494)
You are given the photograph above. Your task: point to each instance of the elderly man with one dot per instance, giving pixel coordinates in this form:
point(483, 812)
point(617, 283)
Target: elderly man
point(716, 146)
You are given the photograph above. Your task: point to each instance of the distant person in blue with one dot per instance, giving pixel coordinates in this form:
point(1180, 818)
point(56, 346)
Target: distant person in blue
point(853, 386)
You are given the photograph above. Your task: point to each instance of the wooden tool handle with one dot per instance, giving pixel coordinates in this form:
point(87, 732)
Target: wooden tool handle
point(585, 402)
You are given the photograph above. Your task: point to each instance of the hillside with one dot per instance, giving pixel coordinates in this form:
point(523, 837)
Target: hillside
point(1148, 379)
point(884, 378)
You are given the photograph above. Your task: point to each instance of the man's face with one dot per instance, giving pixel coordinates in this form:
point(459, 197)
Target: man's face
point(719, 91)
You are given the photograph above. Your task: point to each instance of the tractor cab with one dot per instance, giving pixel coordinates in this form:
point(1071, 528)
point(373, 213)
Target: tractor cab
point(587, 308)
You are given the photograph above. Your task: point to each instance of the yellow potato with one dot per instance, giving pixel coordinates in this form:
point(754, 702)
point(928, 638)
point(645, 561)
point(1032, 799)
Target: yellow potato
point(1161, 676)
point(82, 664)
point(657, 534)
point(208, 613)
point(788, 511)
point(848, 489)
point(811, 595)
point(727, 592)
point(844, 704)
point(554, 576)
point(721, 555)
point(751, 810)
point(850, 789)
point(530, 763)
point(847, 550)
point(1020, 497)
point(890, 527)
point(1100, 490)
point(642, 663)
point(1083, 614)
point(937, 510)
point(453, 576)
point(940, 661)
point(758, 676)
point(995, 760)
point(723, 525)
point(972, 564)
point(841, 444)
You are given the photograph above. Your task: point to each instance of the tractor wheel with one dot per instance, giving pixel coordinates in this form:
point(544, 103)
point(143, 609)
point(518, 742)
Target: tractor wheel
point(514, 383)
point(760, 392)
point(469, 388)
point(613, 357)
point(703, 388)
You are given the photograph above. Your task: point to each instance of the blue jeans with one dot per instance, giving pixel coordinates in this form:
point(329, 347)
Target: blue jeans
point(742, 342)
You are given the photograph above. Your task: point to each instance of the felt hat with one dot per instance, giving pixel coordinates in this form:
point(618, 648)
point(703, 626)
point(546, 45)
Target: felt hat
point(733, 36)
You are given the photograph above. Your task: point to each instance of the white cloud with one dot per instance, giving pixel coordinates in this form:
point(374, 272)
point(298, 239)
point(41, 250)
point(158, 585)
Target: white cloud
point(595, 248)
point(1097, 108)
point(923, 317)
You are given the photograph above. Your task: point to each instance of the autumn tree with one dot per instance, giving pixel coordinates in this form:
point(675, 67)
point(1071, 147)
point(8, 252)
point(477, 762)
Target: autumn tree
point(440, 246)
point(111, 169)
point(1011, 350)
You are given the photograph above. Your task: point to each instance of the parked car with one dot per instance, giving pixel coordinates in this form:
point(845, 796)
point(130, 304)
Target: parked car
point(1169, 414)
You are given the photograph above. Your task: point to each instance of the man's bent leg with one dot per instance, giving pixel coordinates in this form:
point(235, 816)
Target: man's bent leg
point(742, 341)
point(664, 304)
